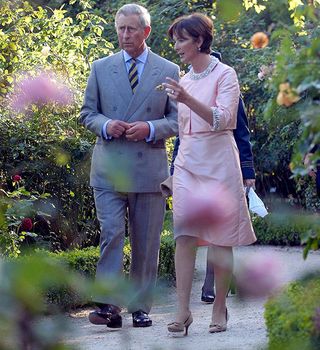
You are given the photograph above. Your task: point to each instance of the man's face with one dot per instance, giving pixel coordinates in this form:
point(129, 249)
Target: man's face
point(131, 35)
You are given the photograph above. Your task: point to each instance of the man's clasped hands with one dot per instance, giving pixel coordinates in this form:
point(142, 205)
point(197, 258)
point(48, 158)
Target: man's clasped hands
point(136, 131)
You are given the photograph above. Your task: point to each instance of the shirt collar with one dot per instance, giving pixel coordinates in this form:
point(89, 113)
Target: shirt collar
point(142, 58)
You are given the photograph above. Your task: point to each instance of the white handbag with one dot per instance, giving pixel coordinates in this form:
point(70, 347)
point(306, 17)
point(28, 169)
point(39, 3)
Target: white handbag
point(255, 204)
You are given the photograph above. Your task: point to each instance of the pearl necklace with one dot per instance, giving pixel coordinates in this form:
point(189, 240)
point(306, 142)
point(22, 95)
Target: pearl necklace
point(197, 76)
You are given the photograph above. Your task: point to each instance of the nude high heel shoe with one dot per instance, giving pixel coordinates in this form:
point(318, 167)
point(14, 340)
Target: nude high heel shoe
point(217, 328)
point(179, 327)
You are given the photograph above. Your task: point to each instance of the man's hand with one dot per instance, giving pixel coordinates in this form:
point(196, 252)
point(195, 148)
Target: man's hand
point(116, 128)
point(138, 131)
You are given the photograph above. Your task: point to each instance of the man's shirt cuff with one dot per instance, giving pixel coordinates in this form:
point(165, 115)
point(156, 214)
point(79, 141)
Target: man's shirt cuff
point(151, 134)
point(104, 130)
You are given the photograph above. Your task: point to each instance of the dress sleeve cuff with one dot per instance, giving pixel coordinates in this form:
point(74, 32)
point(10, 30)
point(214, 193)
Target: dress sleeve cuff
point(216, 119)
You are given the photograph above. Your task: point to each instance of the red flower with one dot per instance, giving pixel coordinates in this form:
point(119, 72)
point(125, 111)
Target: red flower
point(26, 224)
point(16, 178)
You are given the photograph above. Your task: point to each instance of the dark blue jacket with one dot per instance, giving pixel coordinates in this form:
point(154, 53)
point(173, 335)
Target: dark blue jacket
point(313, 150)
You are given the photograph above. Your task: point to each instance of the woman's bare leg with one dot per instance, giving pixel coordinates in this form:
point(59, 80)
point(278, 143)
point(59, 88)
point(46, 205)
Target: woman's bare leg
point(223, 267)
point(185, 257)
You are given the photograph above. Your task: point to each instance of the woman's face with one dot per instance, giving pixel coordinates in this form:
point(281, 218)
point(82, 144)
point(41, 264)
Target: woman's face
point(186, 47)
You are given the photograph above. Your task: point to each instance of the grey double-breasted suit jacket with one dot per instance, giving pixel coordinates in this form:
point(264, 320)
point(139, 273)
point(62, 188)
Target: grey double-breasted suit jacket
point(118, 164)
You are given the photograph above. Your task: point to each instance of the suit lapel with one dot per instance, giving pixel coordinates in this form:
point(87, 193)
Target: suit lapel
point(151, 72)
point(120, 78)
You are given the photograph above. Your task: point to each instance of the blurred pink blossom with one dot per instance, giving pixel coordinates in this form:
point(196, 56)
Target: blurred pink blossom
point(206, 208)
point(40, 90)
point(259, 275)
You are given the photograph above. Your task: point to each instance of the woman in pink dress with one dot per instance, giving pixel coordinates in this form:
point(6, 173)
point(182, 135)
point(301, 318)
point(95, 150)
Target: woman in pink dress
point(208, 163)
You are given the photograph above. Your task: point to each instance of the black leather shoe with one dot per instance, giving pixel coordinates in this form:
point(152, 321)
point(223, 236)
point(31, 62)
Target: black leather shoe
point(141, 319)
point(207, 296)
point(108, 315)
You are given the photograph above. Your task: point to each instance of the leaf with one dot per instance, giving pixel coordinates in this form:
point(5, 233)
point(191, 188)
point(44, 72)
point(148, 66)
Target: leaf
point(229, 10)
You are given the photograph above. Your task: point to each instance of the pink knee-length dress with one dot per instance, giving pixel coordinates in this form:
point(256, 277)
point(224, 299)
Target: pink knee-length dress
point(208, 156)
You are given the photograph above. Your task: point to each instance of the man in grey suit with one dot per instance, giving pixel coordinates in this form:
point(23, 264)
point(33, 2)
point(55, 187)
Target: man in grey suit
point(132, 119)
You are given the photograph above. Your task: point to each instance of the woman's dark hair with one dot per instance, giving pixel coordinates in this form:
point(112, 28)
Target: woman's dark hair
point(196, 25)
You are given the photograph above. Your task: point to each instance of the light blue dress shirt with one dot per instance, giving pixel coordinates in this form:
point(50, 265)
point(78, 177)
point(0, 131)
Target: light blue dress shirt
point(140, 63)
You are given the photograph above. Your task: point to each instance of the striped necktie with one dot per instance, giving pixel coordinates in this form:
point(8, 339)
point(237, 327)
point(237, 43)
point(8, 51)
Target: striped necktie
point(133, 75)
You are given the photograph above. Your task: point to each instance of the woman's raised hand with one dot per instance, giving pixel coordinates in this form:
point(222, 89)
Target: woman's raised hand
point(175, 90)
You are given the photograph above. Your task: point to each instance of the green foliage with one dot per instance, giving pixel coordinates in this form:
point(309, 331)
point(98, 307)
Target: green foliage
point(20, 205)
point(84, 262)
point(49, 149)
point(270, 231)
point(297, 67)
point(166, 256)
point(45, 145)
point(23, 285)
point(293, 227)
point(297, 63)
point(292, 317)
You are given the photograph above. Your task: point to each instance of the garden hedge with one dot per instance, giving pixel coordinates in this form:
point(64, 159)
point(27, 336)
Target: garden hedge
point(270, 230)
point(85, 260)
point(293, 317)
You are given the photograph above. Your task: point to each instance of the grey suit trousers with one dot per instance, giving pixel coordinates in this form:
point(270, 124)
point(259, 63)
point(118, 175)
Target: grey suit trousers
point(145, 213)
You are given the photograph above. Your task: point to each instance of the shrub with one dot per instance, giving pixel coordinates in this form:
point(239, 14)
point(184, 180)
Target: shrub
point(24, 284)
point(293, 317)
point(84, 261)
point(273, 232)
point(166, 257)
point(45, 145)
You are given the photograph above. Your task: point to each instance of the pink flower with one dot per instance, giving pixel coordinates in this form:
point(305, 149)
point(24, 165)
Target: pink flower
point(40, 90)
point(16, 178)
point(26, 224)
point(258, 276)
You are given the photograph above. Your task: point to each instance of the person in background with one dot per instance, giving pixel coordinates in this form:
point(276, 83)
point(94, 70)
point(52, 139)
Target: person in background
point(208, 97)
point(242, 138)
point(131, 119)
point(314, 173)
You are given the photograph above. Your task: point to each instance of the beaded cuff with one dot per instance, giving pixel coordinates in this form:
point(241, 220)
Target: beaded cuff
point(216, 119)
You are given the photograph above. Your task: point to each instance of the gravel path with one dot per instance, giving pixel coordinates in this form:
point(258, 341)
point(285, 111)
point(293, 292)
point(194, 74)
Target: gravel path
point(246, 327)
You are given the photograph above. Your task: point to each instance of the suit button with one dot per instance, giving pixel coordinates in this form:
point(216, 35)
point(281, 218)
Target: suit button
point(139, 154)
point(115, 108)
point(149, 109)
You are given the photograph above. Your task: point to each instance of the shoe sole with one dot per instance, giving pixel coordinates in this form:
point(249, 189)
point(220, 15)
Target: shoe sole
point(142, 325)
point(206, 302)
point(98, 320)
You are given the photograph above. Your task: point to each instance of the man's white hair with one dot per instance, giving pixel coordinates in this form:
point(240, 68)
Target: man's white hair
point(135, 9)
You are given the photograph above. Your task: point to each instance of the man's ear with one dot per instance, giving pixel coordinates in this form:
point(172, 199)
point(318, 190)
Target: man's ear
point(147, 31)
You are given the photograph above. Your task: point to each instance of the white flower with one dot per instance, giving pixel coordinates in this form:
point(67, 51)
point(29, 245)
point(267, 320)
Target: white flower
point(261, 75)
point(45, 50)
